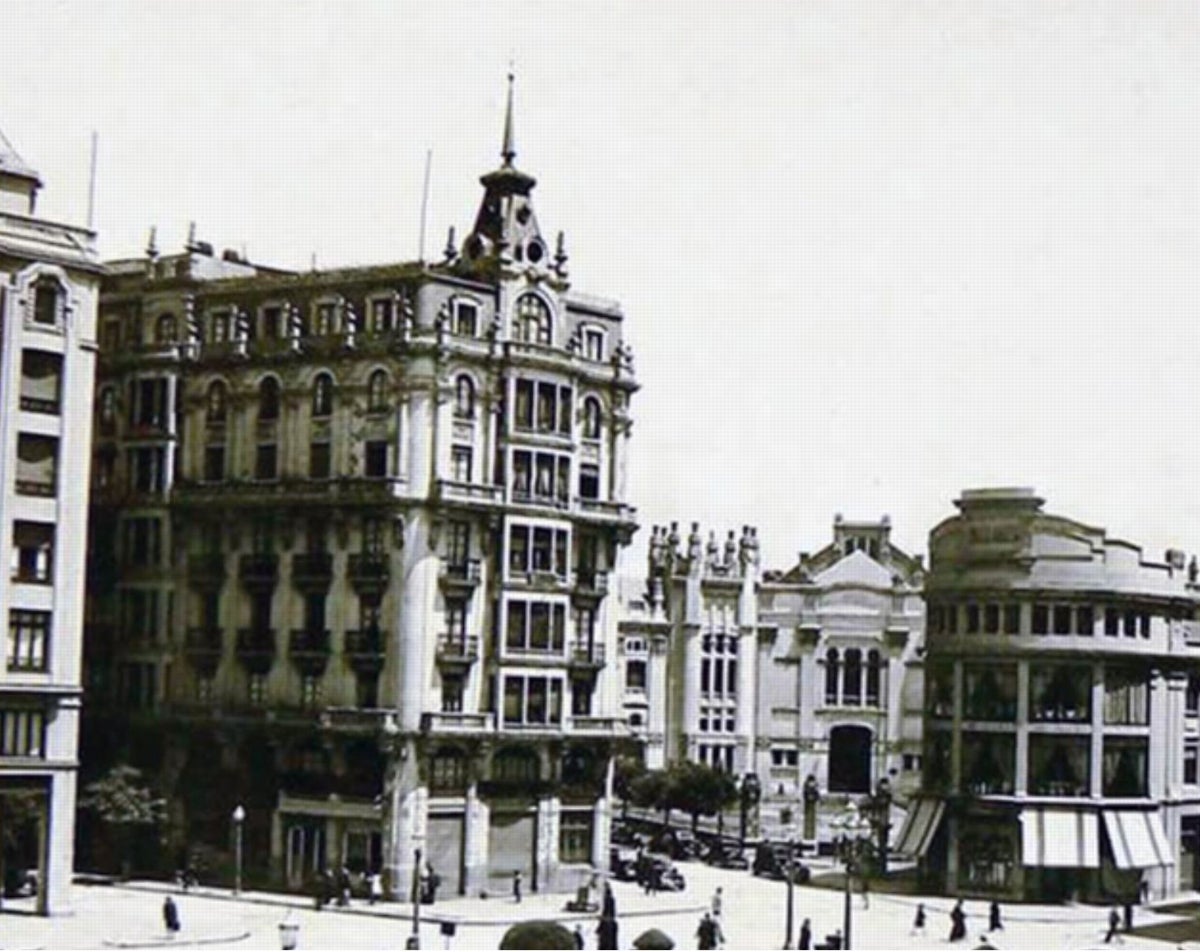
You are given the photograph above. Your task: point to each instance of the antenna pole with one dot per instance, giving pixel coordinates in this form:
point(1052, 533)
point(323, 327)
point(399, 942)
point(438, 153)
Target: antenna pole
point(424, 206)
point(91, 206)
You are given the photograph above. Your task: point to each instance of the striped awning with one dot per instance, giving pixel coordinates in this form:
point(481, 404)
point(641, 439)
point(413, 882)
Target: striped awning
point(1067, 839)
point(1137, 839)
point(919, 827)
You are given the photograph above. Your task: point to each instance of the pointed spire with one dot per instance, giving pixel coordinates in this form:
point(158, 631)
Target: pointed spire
point(152, 243)
point(451, 251)
point(508, 149)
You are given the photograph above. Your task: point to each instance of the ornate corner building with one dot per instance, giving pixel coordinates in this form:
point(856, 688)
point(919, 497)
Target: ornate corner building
point(813, 672)
point(49, 285)
point(354, 531)
point(1062, 725)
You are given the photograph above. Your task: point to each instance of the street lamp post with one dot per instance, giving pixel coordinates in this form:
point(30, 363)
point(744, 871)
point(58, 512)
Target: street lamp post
point(748, 797)
point(791, 884)
point(853, 840)
point(239, 818)
point(414, 940)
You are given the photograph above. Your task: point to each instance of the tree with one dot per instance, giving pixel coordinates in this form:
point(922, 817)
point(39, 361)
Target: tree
point(627, 770)
point(121, 802)
point(538, 934)
point(17, 811)
point(651, 791)
point(699, 790)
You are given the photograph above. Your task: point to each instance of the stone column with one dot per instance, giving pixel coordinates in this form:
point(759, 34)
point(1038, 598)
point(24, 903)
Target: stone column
point(601, 833)
point(1176, 704)
point(659, 703)
point(404, 819)
point(477, 817)
point(57, 845)
point(691, 691)
point(1161, 736)
point(1021, 783)
point(1096, 780)
point(549, 816)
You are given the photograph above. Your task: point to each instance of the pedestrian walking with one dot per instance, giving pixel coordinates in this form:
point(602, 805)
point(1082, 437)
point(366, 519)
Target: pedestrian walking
point(994, 923)
point(516, 885)
point(1128, 917)
point(706, 935)
point(1114, 923)
point(918, 926)
point(606, 933)
point(374, 887)
point(866, 898)
point(717, 901)
point(578, 936)
point(958, 922)
point(805, 940)
point(170, 914)
point(343, 887)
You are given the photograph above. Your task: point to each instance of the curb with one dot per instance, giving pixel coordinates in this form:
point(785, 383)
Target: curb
point(175, 943)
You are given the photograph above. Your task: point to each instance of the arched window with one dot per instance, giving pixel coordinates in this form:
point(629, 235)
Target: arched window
point(164, 330)
point(268, 399)
point(448, 771)
point(852, 678)
point(533, 323)
point(46, 294)
point(873, 665)
point(464, 398)
point(591, 418)
point(217, 403)
point(831, 676)
point(322, 401)
point(377, 390)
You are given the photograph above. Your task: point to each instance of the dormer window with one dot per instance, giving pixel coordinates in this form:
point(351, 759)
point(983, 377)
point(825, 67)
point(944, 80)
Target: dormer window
point(383, 315)
point(466, 318)
point(593, 344)
point(325, 320)
point(533, 323)
point(46, 295)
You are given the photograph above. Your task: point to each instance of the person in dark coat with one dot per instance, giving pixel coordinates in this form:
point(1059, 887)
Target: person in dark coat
point(517, 886)
point(958, 923)
point(608, 908)
point(805, 940)
point(994, 923)
point(706, 934)
point(577, 935)
point(170, 915)
point(606, 933)
point(1114, 923)
point(918, 927)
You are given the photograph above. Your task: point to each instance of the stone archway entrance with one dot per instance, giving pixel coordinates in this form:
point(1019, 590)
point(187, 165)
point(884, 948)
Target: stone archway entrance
point(850, 759)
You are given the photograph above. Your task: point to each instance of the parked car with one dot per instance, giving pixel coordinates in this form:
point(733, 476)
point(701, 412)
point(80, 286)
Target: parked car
point(772, 861)
point(725, 855)
point(664, 873)
point(677, 844)
point(622, 864)
point(625, 835)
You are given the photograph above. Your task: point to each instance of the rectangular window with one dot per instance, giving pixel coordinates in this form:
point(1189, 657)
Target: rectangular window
point(538, 627)
point(1060, 692)
point(452, 693)
point(214, 464)
point(593, 342)
point(460, 463)
point(1062, 619)
point(366, 690)
point(37, 465)
point(1085, 620)
point(581, 699)
point(635, 674)
point(382, 316)
point(325, 320)
point(991, 619)
point(1129, 624)
point(589, 481)
point(1191, 757)
point(458, 542)
point(28, 640)
point(1126, 761)
point(456, 619)
point(41, 381)
point(575, 837)
point(564, 410)
point(1126, 697)
point(22, 733)
point(1012, 619)
point(32, 551)
point(972, 618)
point(310, 692)
point(547, 407)
point(319, 460)
point(256, 690)
point(373, 536)
point(532, 701)
point(266, 461)
point(466, 318)
point(272, 323)
point(46, 294)
point(951, 619)
point(375, 458)
point(1112, 621)
point(523, 407)
point(1041, 619)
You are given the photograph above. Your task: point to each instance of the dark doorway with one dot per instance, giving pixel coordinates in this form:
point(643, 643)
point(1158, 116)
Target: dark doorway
point(850, 760)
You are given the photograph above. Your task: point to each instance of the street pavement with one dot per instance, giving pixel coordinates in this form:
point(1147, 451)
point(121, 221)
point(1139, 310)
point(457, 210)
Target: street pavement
point(753, 917)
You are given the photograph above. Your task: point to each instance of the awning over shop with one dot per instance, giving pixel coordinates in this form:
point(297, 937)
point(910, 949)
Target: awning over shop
point(919, 828)
point(1060, 838)
point(1137, 838)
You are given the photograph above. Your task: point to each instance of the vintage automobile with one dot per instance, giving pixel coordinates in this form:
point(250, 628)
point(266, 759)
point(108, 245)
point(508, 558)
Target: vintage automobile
point(771, 861)
point(664, 874)
point(675, 843)
point(625, 835)
point(622, 864)
point(724, 855)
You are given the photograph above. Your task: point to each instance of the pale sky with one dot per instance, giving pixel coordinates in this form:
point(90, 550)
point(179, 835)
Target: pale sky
point(870, 254)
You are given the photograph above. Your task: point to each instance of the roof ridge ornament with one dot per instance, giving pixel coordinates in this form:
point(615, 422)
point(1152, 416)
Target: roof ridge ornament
point(508, 149)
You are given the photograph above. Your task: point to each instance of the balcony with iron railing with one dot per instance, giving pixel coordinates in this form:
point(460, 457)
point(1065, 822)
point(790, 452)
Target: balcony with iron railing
point(453, 490)
point(369, 571)
point(312, 571)
point(457, 649)
point(586, 657)
point(259, 570)
point(460, 575)
point(458, 722)
point(364, 649)
point(309, 649)
point(203, 646)
point(590, 585)
point(256, 649)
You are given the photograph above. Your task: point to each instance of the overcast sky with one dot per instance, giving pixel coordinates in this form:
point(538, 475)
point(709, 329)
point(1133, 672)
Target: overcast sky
point(870, 254)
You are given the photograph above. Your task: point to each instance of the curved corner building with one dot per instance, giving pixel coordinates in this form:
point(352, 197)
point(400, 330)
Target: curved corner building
point(1062, 710)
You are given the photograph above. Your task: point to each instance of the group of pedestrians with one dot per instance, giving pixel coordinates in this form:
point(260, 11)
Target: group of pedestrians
point(958, 922)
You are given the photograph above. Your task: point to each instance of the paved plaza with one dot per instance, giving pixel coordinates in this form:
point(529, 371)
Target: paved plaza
point(754, 910)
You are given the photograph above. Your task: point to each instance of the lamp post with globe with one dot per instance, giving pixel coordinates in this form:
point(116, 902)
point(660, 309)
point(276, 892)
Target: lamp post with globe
point(239, 819)
point(852, 840)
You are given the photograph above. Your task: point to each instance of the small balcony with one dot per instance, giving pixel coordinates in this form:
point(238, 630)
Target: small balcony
point(309, 649)
point(206, 570)
point(203, 649)
point(364, 649)
point(457, 650)
point(463, 576)
point(586, 657)
point(369, 571)
point(590, 585)
point(259, 570)
point(451, 490)
point(458, 722)
point(599, 726)
point(312, 571)
point(256, 649)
